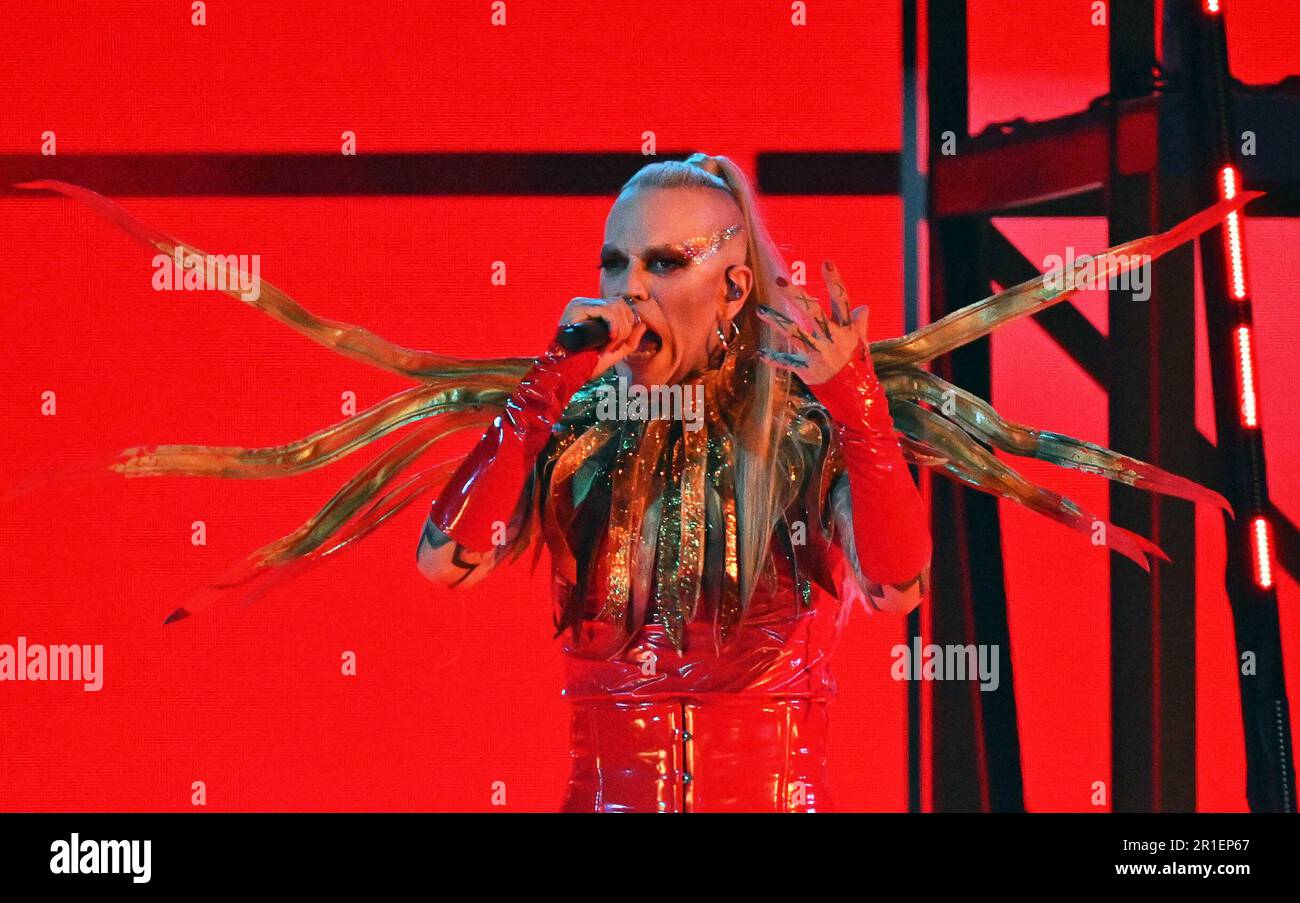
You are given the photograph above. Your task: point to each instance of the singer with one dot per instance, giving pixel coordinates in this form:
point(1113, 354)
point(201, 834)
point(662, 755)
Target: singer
point(701, 576)
point(698, 649)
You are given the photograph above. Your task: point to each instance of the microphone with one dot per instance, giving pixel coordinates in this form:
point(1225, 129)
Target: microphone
point(582, 335)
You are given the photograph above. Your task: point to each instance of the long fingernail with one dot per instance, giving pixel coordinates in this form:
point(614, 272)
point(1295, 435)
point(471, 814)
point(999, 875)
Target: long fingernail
point(784, 357)
point(781, 318)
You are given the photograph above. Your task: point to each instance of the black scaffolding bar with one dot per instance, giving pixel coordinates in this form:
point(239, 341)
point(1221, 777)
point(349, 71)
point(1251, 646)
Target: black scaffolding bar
point(1146, 155)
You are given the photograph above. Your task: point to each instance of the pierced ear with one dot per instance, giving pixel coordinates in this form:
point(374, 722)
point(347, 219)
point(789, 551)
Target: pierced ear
point(736, 277)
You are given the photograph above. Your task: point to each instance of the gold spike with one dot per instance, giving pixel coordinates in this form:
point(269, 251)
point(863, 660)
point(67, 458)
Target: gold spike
point(696, 446)
point(667, 587)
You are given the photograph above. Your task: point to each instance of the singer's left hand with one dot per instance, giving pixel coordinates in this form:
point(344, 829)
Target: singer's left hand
point(821, 342)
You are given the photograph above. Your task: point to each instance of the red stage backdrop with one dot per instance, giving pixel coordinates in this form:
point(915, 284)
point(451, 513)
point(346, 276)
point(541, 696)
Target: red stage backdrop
point(456, 691)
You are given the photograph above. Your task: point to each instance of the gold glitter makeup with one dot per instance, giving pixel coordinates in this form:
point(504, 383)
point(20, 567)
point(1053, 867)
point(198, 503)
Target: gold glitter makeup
point(702, 247)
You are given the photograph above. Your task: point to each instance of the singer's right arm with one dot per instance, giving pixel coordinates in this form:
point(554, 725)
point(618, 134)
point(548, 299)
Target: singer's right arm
point(463, 534)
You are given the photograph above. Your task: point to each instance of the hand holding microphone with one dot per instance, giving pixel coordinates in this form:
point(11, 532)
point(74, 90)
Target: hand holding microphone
point(609, 325)
point(583, 335)
point(486, 486)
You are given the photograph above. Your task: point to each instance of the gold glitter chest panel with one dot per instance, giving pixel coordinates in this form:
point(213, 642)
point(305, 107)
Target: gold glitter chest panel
point(642, 517)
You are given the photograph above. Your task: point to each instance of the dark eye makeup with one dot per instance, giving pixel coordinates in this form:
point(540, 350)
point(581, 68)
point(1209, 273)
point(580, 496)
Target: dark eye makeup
point(659, 262)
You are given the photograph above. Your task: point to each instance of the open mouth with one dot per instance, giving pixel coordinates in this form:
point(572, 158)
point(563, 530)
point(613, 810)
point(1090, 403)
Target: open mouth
point(650, 345)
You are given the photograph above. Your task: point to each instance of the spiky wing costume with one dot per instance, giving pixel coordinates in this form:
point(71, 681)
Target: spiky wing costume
point(685, 695)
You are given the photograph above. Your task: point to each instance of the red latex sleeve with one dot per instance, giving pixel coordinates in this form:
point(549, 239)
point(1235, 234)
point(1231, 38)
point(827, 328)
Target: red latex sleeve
point(486, 487)
point(889, 519)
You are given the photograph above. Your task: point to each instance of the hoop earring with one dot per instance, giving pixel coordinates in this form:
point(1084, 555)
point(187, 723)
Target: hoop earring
point(726, 342)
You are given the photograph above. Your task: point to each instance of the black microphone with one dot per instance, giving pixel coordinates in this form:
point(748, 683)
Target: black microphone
point(583, 334)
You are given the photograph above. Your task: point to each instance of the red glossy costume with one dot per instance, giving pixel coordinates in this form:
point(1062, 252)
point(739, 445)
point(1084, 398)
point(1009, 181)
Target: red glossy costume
point(741, 729)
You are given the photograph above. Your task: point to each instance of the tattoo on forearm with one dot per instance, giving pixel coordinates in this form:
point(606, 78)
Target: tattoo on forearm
point(908, 585)
point(461, 558)
point(874, 592)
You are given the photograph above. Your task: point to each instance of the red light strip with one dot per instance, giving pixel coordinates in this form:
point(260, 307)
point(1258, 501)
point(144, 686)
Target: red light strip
point(1246, 397)
point(1236, 259)
point(1261, 543)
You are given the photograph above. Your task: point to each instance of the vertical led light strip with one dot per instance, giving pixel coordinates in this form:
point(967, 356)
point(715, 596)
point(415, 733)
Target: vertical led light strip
point(1261, 542)
point(1235, 255)
point(1246, 397)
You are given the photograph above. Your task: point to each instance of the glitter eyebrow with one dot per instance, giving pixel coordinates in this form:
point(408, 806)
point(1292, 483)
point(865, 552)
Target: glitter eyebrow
point(696, 250)
point(702, 247)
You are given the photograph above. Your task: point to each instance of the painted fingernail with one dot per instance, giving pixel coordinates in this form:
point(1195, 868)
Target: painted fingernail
point(780, 280)
point(790, 360)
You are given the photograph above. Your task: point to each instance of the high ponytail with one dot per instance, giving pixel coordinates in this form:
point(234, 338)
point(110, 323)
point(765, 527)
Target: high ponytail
point(707, 163)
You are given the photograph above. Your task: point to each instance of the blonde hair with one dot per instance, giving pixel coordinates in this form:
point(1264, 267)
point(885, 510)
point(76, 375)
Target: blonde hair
point(764, 424)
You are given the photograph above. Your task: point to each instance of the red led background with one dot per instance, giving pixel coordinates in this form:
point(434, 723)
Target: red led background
point(458, 690)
